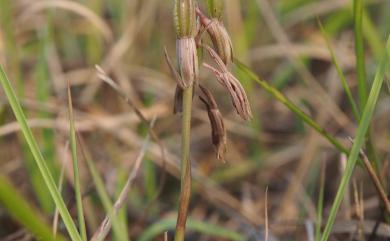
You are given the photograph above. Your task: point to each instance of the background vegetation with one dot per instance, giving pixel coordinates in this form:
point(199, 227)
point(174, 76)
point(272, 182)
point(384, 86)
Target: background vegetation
point(331, 74)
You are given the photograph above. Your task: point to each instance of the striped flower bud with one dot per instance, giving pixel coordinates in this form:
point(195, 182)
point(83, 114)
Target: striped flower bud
point(215, 8)
point(232, 84)
point(185, 18)
point(219, 36)
point(186, 52)
point(187, 60)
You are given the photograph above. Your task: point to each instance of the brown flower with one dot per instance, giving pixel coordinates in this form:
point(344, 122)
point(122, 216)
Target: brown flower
point(218, 132)
point(219, 36)
point(233, 85)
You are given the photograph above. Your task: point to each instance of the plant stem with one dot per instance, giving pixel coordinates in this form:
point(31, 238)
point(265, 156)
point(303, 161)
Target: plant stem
point(359, 50)
point(185, 189)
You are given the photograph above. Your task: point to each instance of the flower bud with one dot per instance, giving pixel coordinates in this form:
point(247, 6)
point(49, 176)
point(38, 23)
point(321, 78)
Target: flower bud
point(215, 8)
point(185, 18)
point(218, 132)
point(219, 36)
point(232, 84)
point(187, 61)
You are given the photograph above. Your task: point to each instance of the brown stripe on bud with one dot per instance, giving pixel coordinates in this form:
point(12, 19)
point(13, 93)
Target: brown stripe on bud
point(232, 84)
point(218, 132)
point(178, 100)
point(219, 36)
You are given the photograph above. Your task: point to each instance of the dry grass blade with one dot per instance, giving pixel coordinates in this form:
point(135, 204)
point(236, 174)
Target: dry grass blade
point(375, 179)
point(105, 226)
point(103, 76)
point(72, 6)
point(280, 35)
point(135, 25)
point(377, 183)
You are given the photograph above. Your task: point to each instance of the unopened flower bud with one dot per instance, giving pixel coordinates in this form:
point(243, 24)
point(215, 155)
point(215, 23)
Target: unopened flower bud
point(187, 61)
point(219, 36)
point(185, 18)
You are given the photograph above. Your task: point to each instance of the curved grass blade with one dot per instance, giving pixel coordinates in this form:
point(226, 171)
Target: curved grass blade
point(118, 227)
point(106, 224)
point(340, 73)
point(285, 101)
point(359, 139)
point(40, 161)
point(24, 213)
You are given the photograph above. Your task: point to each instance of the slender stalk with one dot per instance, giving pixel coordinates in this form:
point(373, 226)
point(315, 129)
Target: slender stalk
point(185, 189)
point(377, 182)
point(320, 202)
point(359, 50)
point(76, 175)
point(340, 73)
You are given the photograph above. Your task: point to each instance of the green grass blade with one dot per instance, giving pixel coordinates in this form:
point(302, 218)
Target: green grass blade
point(118, 228)
point(340, 74)
point(192, 225)
point(359, 139)
point(372, 36)
point(76, 175)
point(11, 49)
point(46, 136)
point(19, 114)
point(320, 202)
point(60, 186)
point(359, 51)
point(285, 101)
point(25, 214)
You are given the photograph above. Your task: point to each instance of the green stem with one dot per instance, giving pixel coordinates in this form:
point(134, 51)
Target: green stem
point(359, 50)
point(185, 190)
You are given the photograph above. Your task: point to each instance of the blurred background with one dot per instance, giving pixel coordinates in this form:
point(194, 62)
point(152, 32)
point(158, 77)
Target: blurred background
point(45, 43)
